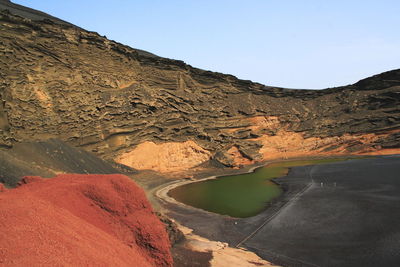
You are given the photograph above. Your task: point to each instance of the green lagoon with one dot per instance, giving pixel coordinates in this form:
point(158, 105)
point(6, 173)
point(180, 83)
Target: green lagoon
point(242, 195)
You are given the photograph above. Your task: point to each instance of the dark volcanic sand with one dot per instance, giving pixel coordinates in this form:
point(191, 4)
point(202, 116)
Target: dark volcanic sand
point(355, 223)
point(352, 224)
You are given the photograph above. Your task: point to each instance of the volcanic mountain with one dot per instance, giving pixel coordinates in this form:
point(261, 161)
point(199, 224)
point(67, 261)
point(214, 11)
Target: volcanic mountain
point(72, 101)
point(149, 112)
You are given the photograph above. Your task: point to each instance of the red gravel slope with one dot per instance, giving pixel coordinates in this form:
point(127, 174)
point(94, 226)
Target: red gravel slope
point(80, 220)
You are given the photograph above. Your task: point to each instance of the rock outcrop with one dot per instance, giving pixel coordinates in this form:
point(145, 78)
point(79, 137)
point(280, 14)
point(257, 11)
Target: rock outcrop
point(80, 220)
point(60, 81)
point(165, 157)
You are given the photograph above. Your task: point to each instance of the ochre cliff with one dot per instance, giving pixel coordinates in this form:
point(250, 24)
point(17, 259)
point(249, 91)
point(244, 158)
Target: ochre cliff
point(60, 81)
point(165, 156)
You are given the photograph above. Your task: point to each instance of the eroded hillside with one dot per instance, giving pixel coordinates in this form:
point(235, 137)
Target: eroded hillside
point(59, 81)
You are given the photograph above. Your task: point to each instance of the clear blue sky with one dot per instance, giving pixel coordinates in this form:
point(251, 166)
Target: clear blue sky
point(288, 43)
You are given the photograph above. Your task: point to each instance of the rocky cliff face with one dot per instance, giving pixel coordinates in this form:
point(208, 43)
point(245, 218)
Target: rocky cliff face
point(58, 80)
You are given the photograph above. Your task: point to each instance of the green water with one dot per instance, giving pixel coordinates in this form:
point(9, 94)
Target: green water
point(242, 195)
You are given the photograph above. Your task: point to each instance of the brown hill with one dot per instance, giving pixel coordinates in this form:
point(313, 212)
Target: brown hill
point(59, 81)
point(80, 220)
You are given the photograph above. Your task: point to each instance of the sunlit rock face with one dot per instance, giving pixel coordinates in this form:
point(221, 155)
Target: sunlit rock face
point(61, 81)
point(165, 157)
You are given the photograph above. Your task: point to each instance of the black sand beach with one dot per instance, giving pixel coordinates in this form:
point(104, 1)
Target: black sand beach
point(348, 215)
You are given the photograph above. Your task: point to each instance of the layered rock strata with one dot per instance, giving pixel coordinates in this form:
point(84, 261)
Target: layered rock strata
point(61, 81)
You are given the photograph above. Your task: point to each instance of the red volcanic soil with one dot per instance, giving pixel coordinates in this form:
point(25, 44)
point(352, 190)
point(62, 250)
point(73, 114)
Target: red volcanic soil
point(80, 220)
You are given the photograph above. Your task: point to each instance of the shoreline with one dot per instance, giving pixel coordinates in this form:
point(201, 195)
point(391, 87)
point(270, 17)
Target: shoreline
point(161, 192)
point(210, 226)
point(223, 253)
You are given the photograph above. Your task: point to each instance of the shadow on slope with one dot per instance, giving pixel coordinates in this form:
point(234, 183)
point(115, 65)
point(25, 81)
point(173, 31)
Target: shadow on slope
point(47, 159)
